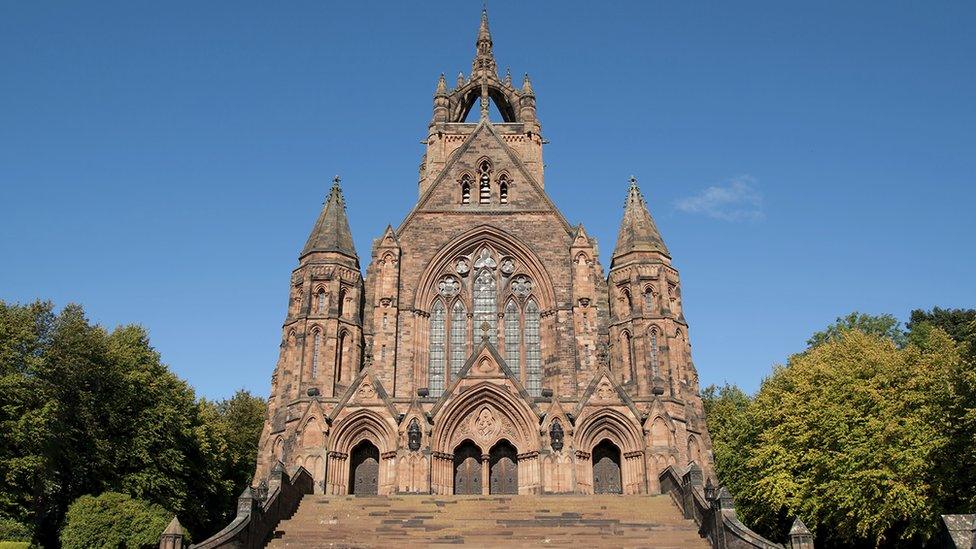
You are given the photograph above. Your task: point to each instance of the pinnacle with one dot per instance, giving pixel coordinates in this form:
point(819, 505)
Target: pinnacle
point(331, 231)
point(638, 232)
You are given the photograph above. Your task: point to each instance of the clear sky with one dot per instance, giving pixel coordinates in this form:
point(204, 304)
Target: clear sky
point(162, 163)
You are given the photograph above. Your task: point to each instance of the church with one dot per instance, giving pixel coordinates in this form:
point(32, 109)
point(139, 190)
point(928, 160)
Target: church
point(486, 351)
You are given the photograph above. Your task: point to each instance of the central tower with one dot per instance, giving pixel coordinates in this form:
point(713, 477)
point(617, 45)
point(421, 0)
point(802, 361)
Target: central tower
point(485, 351)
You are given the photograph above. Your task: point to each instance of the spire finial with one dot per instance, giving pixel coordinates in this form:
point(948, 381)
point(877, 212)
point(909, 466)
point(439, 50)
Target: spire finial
point(527, 85)
point(484, 59)
point(441, 86)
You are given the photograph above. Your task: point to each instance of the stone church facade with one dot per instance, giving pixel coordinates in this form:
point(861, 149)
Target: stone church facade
point(486, 351)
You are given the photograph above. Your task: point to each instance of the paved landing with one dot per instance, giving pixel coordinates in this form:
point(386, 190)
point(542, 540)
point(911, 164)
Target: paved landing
point(495, 521)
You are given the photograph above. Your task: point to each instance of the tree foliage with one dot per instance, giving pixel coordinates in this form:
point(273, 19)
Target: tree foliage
point(884, 326)
point(866, 436)
point(112, 521)
point(85, 411)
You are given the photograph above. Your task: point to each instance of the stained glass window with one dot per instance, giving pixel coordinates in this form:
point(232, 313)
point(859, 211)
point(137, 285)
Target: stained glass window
point(512, 337)
point(533, 351)
point(459, 338)
point(435, 368)
point(484, 305)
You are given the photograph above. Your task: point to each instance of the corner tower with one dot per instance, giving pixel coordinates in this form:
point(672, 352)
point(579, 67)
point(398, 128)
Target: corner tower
point(322, 337)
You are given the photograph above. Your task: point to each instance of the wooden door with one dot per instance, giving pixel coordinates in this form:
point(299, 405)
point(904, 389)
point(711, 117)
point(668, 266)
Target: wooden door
point(365, 470)
point(504, 469)
point(606, 469)
point(467, 470)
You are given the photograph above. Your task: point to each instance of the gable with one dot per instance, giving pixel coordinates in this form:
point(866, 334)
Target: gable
point(484, 143)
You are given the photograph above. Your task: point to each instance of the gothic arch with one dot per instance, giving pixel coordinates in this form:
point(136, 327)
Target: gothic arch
point(611, 424)
point(515, 419)
point(469, 94)
point(623, 432)
point(359, 425)
point(475, 239)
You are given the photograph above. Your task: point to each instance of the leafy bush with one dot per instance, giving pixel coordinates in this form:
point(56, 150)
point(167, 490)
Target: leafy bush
point(113, 520)
point(11, 530)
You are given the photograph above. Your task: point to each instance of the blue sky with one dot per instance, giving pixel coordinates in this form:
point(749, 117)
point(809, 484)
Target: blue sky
point(162, 163)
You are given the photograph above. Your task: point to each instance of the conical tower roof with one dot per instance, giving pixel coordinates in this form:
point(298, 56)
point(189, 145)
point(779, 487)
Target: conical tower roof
point(331, 231)
point(638, 232)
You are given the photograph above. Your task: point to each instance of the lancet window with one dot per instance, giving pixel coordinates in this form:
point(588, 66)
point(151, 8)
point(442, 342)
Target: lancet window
point(485, 312)
point(435, 368)
point(655, 369)
point(459, 337)
point(465, 189)
point(533, 350)
point(484, 183)
point(320, 301)
point(316, 350)
point(512, 337)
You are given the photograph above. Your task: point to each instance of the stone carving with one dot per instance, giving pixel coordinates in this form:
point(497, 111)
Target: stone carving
point(448, 286)
point(522, 286)
point(508, 266)
point(413, 435)
point(366, 391)
point(485, 424)
point(604, 391)
point(461, 266)
point(485, 260)
point(556, 435)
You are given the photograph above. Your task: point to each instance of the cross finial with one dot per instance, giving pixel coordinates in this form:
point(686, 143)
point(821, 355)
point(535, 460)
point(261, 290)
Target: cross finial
point(633, 181)
point(336, 180)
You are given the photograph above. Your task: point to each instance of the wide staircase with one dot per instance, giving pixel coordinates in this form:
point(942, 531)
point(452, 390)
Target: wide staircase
point(483, 521)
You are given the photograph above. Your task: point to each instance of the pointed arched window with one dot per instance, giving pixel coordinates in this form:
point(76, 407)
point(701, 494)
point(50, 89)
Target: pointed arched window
point(316, 351)
point(465, 189)
point(459, 338)
point(533, 350)
point(626, 356)
point(340, 354)
point(484, 183)
point(320, 301)
point(435, 367)
point(342, 302)
point(512, 337)
point(655, 368)
point(503, 189)
point(485, 311)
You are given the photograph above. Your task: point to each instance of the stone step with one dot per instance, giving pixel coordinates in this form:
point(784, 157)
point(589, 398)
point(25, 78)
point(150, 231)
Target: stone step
point(509, 521)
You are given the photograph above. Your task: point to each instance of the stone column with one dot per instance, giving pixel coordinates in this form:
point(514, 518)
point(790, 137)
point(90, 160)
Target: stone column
point(485, 474)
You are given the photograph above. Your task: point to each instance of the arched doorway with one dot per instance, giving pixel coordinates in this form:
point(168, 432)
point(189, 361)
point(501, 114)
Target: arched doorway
point(467, 469)
point(606, 468)
point(504, 469)
point(364, 469)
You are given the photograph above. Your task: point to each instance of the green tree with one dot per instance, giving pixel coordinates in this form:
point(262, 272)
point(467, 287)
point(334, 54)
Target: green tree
point(112, 521)
point(885, 326)
point(86, 411)
point(726, 410)
point(848, 436)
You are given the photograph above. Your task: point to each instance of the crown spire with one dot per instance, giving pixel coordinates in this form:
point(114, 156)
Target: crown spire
point(331, 231)
point(484, 59)
point(638, 232)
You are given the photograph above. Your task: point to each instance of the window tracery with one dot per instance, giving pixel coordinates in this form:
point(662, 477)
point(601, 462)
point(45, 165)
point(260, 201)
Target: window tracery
point(485, 312)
